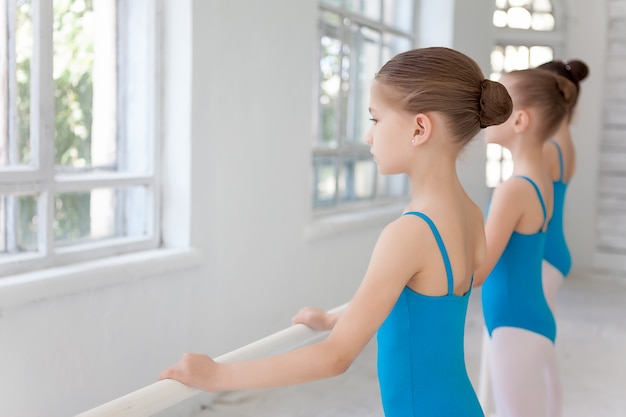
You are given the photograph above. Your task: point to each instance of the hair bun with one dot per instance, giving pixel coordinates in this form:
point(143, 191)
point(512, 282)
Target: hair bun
point(495, 103)
point(577, 70)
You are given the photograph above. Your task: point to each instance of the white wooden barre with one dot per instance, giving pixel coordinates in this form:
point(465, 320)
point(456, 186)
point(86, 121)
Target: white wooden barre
point(165, 393)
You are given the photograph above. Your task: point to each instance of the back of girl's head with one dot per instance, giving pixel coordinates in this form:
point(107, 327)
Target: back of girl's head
point(574, 70)
point(446, 81)
point(551, 95)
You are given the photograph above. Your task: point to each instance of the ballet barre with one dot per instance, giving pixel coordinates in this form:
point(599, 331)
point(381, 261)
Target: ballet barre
point(165, 393)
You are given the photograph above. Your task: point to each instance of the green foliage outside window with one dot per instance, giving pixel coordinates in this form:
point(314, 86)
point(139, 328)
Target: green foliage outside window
point(73, 101)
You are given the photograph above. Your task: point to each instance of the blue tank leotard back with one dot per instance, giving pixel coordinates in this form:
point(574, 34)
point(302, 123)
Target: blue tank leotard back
point(421, 362)
point(512, 295)
point(557, 253)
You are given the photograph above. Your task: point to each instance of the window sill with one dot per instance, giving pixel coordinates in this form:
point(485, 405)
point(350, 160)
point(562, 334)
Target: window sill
point(336, 223)
point(69, 279)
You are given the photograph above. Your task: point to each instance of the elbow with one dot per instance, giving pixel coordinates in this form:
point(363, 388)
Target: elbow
point(337, 361)
point(338, 366)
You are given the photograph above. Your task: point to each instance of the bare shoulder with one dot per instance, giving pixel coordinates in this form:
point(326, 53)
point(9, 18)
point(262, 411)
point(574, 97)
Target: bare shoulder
point(405, 228)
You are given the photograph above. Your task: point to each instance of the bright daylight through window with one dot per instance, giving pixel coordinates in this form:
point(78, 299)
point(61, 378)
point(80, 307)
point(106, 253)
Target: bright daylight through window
point(517, 23)
point(76, 155)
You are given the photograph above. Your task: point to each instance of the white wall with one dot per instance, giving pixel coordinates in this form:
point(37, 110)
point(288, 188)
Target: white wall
point(238, 122)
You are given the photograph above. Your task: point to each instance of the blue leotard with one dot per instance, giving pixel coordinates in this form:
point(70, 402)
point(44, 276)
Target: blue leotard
point(512, 295)
point(556, 252)
point(421, 363)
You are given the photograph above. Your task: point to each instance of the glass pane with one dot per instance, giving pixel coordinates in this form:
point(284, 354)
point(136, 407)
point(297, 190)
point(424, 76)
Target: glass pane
point(497, 59)
point(17, 52)
point(330, 80)
point(543, 21)
point(501, 4)
point(3, 226)
point(500, 18)
point(85, 71)
point(324, 181)
point(368, 8)
point(18, 227)
point(392, 185)
point(494, 152)
point(493, 173)
point(393, 45)
point(364, 179)
point(357, 178)
point(519, 18)
point(399, 14)
point(542, 5)
point(540, 54)
point(334, 3)
point(80, 217)
point(365, 59)
point(520, 3)
point(516, 58)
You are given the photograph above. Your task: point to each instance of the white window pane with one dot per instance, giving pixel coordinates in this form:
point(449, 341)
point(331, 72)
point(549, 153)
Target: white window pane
point(540, 55)
point(365, 57)
point(501, 4)
point(81, 217)
point(543, 21)
point(393, 185)
point(520, 3)
point(364, 179)
point(493, 173)
point(393, 45)
point(494, 152)
point(399, 14)
point(516, 58)
point(367, 8)
point(330, 80)
point(334, 3)
point(519, 18)
point(324, 181)
point(85, 78)
point(542, 5)
point(497, 59)
point(17, 52)
point(18, 216)
point(500, 18)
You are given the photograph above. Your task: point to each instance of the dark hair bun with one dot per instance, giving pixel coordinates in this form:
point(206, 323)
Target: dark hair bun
point(578, 69)
point(495, 104)
point(574, 70)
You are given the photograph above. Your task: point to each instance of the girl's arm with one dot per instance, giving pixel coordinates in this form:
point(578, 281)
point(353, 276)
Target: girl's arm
point(395, 259)
point(502, 218)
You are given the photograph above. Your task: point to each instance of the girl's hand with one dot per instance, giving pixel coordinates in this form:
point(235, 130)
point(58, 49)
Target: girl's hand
point(315, 318)
point(194, 370)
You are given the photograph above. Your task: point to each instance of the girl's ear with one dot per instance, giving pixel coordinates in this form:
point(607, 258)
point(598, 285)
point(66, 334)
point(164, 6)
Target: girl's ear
point(422, 130)
point(521, 120)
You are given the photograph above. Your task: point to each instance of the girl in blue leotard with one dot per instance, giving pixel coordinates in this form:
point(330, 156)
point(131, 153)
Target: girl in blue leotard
point(520, 324)
point(560, 159)
point(426, 105)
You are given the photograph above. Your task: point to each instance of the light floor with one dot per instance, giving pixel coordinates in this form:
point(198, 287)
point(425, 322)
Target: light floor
point(591, 347)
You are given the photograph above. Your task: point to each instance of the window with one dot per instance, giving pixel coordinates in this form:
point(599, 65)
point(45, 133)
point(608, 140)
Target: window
point(527, 35)
point(77, 137)
point(355, 39)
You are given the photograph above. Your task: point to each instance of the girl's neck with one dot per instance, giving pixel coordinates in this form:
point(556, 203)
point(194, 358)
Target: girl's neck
point(433, 177)
point(528, 158)
point(563, 134)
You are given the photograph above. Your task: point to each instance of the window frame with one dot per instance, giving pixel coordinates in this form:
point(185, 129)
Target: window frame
point(347, 149)
point(41, 176)
point(506, 36)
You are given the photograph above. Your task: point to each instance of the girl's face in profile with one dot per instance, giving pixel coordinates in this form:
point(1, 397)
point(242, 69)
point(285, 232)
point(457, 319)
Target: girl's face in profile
point(391, 132)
